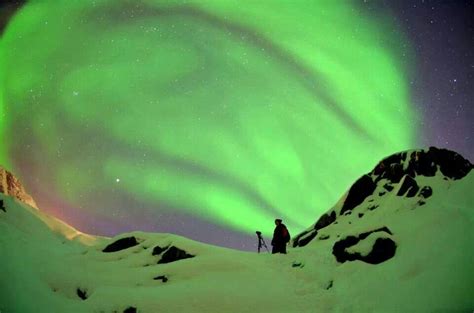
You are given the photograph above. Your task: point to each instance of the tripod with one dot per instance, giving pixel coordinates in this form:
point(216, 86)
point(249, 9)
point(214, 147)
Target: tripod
point(261, 242)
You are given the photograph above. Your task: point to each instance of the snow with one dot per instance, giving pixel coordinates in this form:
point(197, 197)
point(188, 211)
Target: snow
point(45, 261)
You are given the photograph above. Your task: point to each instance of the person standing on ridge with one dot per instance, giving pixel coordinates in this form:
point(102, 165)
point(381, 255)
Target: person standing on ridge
point(281, 236)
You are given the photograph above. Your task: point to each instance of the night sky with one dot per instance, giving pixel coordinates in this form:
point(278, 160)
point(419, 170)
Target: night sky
point(210, 120)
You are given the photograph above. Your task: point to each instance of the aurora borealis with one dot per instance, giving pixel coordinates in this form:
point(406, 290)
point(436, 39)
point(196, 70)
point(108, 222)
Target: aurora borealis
point(206, 119)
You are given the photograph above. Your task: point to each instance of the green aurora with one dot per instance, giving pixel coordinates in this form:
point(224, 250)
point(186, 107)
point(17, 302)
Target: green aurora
point(235, 112)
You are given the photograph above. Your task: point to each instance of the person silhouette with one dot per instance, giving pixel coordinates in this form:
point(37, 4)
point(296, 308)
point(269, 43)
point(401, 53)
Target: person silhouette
point(281, 236)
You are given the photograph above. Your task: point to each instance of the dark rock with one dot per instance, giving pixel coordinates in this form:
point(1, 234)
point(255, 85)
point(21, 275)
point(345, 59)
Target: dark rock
point(410, 185)
point(451, 164)
point(424, 163)
point(174, 254)
point(381, 193)
point(338, 250)
point(388, 187)
point(382, 250)
point(420, 203)
point(130, 309)
point(323, 237)
point(303, 239)
point(297, 238)
point(382, 229)
point(390, 168)
point(372, 207)
point(361, 214)
point(297, 264)
point(158, 250)
point(82, 293)
point(426, 192)
point(325, 220)
point(361, 189)
point(121, 244)
point(329, 286)
point(2, 206)
point(163, 278)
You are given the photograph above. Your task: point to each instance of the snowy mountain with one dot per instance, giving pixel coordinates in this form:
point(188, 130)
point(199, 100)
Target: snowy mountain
point(400, 240)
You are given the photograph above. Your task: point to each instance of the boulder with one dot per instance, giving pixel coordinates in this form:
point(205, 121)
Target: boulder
point(158, 250)
point(382, 250)
point(174, 254)
point(325, 220)
point(361, 189)
point(426, 192)
point(121, 244)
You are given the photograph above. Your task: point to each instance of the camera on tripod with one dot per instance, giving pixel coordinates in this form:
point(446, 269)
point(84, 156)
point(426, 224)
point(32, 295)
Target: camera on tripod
point(261, 242)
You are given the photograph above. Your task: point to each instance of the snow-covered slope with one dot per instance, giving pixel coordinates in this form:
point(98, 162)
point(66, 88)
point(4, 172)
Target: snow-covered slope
point(386, 246)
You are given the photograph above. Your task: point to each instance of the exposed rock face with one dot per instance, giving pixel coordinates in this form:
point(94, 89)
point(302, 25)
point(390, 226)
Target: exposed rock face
point(304, 238)
point(362, 188)
point(396, 173)
point(382, 250)
point(11, 186)
point(420, 162)
point(158, 250)
point(174, 254)
point(409, 187)
point(121, 244)
point(325, 220)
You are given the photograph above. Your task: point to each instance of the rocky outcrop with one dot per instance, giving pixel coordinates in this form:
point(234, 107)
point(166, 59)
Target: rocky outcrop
point(382, 250)
point(395, 174)
point(121, 244)
point(11, 186)
point(157, 250)
point(422, 162)
point(361, 189)
point(174, 254)
point(325, 220)
point(304, 238)
point(409, 187)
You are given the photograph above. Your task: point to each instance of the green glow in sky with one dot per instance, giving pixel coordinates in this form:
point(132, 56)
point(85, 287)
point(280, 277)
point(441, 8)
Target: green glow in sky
point(236, 112)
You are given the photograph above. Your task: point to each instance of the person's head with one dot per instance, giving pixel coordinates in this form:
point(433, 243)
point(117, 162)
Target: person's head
point(277, 221)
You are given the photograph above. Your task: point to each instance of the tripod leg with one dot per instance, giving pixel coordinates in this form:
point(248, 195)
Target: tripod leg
point(265, 245)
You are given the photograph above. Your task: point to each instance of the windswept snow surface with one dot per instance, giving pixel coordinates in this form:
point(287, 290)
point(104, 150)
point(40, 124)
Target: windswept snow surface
point(47, 266)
